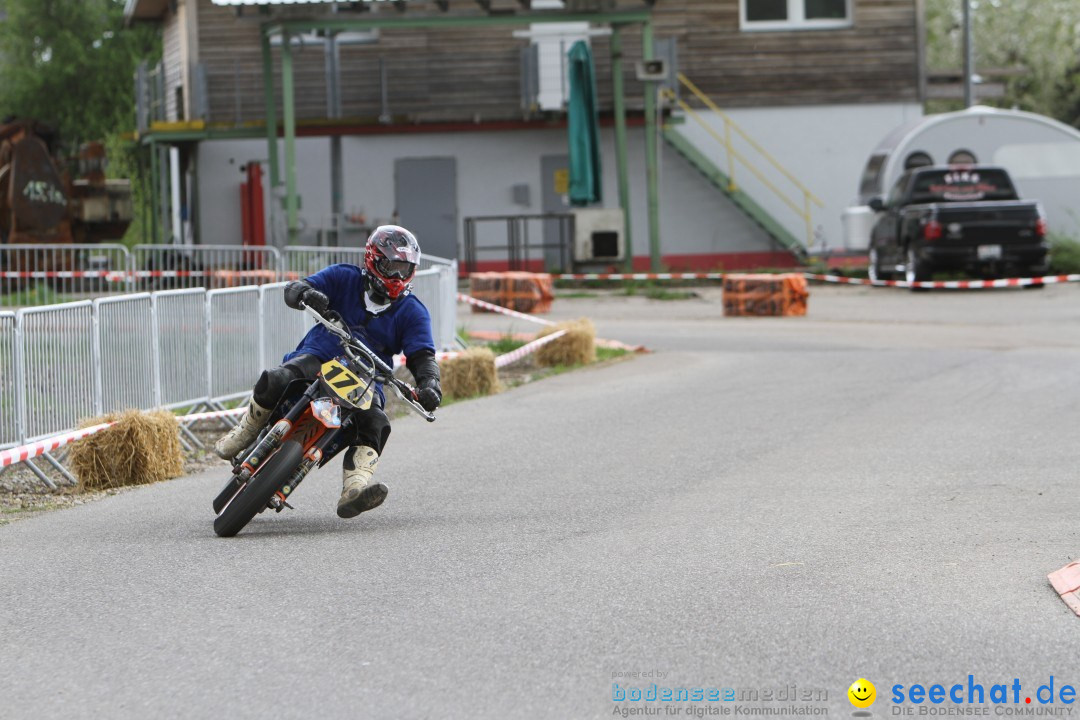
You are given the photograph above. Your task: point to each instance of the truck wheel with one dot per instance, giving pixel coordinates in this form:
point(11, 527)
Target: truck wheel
point(916, 270)
point(874, 269)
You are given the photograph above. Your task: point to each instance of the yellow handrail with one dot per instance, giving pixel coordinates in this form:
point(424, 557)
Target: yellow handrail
point(733, 155)
point(736, 155)
point(753, 143)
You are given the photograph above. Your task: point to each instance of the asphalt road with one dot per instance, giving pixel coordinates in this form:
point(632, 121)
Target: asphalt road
point(877, 490)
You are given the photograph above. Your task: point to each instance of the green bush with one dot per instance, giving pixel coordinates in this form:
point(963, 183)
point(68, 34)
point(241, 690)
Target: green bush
point(1064, 254)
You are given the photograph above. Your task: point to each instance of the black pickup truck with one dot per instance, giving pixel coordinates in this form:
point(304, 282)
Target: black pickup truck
point(956, 218)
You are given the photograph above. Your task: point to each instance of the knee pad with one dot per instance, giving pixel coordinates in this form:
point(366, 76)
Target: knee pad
point(272, 384)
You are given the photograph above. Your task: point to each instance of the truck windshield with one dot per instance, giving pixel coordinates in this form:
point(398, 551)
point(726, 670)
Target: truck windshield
point(962, 185)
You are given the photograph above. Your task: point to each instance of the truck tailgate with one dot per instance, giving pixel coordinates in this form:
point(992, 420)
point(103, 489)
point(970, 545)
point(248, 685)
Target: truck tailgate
point(998, 223)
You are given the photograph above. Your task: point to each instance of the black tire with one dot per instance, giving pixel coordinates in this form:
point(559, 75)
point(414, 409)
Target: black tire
point(873, 267)
point(257, 493)
point(916, 270)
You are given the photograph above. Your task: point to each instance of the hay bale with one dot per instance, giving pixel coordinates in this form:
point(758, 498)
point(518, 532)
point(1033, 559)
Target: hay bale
point(470, 374)
point(142, 447)
point(576, 347)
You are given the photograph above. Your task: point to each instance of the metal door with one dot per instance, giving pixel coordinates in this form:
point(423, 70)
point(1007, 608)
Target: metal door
point(425, 192)
point(555, 196)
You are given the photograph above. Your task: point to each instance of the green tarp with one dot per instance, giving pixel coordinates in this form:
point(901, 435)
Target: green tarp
point(584, 128)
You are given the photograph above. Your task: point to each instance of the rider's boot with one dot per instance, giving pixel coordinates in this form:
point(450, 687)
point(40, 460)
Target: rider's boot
point(358, 493)
point(230, 444)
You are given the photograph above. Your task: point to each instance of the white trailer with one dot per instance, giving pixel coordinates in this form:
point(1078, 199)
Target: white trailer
point(1041, 154)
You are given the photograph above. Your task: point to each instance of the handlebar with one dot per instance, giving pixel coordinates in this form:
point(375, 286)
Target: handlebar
point(381, 371)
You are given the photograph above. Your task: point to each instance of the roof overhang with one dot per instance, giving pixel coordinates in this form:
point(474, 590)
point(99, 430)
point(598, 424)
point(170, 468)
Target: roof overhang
point(145, 10)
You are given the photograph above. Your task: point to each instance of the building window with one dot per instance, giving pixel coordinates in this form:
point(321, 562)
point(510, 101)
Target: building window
point(794, 14)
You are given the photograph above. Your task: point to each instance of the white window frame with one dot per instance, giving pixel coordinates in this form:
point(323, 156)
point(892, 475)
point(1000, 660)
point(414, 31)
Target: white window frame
point(796, 19)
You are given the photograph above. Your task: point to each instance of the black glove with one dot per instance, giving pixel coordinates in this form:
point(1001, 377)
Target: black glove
point(317, 301)
point(298, 293)
point(429, 397)
point(425, 369)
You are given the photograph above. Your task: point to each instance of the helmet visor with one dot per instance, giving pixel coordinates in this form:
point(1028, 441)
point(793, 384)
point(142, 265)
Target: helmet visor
point(398, 269)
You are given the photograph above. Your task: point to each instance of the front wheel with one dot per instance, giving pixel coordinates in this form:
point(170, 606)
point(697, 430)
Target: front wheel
point(873, 267)
point(254, 496)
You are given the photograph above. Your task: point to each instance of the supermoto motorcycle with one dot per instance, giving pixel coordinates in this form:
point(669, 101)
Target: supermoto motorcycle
point(306, 429)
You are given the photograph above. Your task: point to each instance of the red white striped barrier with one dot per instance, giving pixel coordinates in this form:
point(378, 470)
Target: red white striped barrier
point(36, 449)
point(462, 297)
point(526, 337)
point(111, 275)
point(33, 450)
point(121, 275)
point(515, 355)
point(195, 417)
point(948, 284)
point(929, 284)
point(399, 360)
point(639, 276)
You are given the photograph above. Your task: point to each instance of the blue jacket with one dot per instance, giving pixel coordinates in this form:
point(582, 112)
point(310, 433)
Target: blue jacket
point(404, 327)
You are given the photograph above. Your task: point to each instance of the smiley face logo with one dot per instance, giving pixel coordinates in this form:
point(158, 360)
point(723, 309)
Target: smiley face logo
point(862, 693)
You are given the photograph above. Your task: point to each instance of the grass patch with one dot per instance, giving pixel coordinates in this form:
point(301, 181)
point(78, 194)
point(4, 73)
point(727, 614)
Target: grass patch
point(504, 345)
point(1064, 254)
point(653, 290)
point(659, 293)
point(606, 353)
point(576, 294)
point(819, 268)
point(39, 294)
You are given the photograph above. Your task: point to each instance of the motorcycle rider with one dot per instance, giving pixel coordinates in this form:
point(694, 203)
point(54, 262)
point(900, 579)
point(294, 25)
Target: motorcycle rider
point(376, 303)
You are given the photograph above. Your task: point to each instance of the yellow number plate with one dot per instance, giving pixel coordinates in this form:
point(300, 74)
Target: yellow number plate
point(346, 385)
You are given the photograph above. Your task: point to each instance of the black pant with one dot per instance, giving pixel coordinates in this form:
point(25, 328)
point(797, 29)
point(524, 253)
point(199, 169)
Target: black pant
point(368, 427)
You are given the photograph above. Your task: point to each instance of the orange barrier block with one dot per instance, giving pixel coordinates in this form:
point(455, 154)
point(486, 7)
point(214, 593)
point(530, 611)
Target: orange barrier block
point(521, 291)
point(762, 294)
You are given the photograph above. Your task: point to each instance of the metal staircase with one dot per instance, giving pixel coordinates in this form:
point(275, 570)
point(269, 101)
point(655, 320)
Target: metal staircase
point(769, 173)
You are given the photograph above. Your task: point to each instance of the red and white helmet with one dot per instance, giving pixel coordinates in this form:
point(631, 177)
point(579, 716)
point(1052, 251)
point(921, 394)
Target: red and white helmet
point(391, 259)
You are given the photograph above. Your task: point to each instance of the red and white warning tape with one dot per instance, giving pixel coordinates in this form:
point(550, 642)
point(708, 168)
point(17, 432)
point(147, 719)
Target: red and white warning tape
point(930, 284)
point(399, 360)
point(33, 450)
point(948, 284)
point(111, 275)
point(185, 419)
point(462, 297)
point(515, 355)
point(639, 276)
point(36, 449)
point(121, 275)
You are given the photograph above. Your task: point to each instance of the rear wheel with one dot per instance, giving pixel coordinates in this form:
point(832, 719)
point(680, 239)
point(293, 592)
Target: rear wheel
point(260, 488)
point(916, 270)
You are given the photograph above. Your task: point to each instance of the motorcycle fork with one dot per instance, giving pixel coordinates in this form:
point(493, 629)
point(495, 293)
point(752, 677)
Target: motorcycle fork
point(273, 438)
point(312, 458)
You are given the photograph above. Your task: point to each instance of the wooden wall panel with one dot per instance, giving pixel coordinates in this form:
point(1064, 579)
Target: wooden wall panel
point(172, 64)
point(471, 74)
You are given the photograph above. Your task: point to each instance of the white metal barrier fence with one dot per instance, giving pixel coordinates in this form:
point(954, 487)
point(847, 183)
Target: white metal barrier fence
point(234, 357)
point(60, 364)
point(59, 370)
point(180, 338)
point(124, 344)
point(9, 418)
point(169, 267)
point(45, 274)
point(299, 262)
point(282, 326)
point(33, 275)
